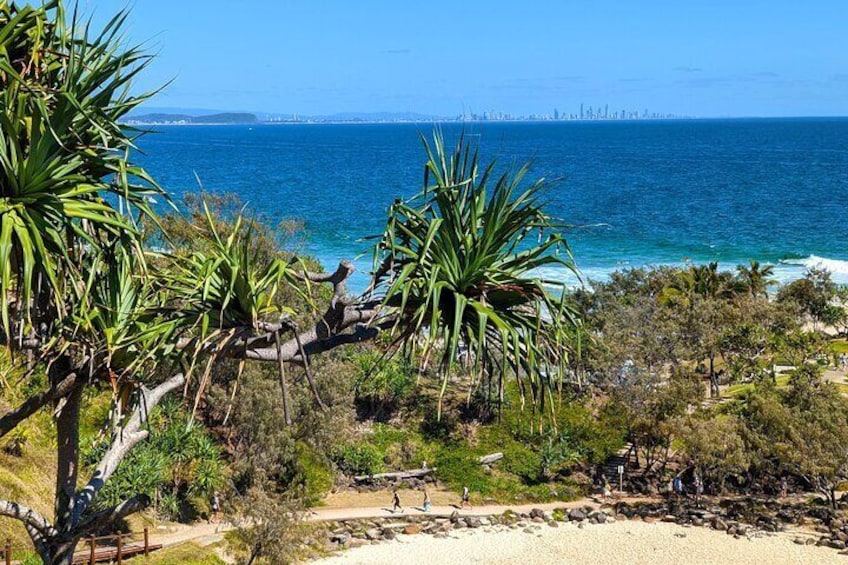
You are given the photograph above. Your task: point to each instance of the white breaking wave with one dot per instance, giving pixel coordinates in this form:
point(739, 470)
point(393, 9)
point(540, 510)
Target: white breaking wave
point(785, 271)
point(835, 267)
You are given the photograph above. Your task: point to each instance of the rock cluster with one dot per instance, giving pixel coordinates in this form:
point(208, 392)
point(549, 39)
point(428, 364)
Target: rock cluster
point(382, 485)
point(354, 533)
point(738, 518)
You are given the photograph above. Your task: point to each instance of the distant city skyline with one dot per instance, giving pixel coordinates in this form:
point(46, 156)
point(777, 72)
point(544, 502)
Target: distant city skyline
point(150, 113)
point(706, 59)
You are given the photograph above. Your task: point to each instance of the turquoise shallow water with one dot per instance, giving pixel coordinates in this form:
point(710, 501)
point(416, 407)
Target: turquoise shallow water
point(644, 192)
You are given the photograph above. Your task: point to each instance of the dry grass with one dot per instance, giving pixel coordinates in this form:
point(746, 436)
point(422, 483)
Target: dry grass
point(188, 553)
point(28, 479)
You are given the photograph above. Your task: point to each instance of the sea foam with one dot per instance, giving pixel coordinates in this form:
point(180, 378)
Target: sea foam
point(833, 266)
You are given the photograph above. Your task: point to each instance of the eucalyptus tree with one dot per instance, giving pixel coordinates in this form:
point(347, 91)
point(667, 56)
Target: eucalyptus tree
point(84, 299)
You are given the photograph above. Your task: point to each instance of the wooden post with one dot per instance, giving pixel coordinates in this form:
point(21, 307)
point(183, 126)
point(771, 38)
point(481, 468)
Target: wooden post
point(120, 560)
point(91, 558)
point(7, 551)
point(146, 543)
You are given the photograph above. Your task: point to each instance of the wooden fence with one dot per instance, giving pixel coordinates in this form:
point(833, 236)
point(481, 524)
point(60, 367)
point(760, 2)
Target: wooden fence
point(113, 547)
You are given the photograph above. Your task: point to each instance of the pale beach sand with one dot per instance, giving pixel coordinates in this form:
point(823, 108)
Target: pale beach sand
point(623, 542)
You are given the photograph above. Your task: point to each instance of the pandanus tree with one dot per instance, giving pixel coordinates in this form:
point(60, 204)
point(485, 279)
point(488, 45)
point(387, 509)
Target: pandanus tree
point(80, 301)
point(462, 266)
point(85, 303)
point(62, 157)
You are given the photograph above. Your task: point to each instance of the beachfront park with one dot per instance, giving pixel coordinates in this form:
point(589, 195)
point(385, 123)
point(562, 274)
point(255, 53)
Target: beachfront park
point(182, 382)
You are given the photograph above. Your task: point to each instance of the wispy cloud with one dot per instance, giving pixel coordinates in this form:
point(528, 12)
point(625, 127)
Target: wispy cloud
point(635, 79)
point(688, 69)
point(765, 74)
point(397, 51)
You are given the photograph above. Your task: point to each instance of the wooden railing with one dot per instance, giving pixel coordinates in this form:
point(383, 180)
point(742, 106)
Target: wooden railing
point(114, 547)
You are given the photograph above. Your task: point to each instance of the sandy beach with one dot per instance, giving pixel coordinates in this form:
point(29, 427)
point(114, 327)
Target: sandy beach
point(624, 542)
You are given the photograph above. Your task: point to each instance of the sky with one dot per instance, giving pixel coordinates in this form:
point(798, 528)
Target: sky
point(312, 57)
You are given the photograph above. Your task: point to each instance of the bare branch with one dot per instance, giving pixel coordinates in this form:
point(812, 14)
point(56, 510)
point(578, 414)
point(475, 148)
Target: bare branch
point(31, 519)
point(321, 338)
point(30, 406)
point(337, 278)
point(105, 517)
point(124, 440)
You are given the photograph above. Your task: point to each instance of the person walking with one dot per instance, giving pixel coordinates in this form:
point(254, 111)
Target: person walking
point(699, 489)
point(677, 485)
point(396, 507)
point(606, 490)
point(466, 498)
point(396, 502)
point(216, 508)
point(426, 504)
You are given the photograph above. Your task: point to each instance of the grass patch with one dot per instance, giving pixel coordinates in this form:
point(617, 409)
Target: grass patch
point(839, 345)
point(188, 553)
point(737, 390)
point(29, 479)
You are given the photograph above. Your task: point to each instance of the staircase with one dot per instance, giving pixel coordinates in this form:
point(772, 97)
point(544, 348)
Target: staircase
point(610, 467)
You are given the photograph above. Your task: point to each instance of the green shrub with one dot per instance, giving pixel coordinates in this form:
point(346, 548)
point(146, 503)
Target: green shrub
point(403, 448)
point(380, 382)
point(180, 465)
point(361, 458)
point(459, 468)
point(313, 473)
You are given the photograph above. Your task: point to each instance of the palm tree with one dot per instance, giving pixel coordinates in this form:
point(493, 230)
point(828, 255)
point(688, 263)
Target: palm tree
point(704, 281)
point(756, 279)
point(459, 266)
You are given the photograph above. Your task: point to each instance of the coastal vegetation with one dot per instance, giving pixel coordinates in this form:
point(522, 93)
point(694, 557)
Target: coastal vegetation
point(154, 361)
point(90, 312)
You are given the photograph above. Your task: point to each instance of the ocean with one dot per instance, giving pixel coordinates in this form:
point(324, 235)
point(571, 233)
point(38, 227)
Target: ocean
point(637, 192)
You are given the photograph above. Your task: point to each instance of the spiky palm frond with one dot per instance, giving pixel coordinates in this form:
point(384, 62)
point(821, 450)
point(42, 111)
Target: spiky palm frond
point(225, 287)
point(63, 154)
point(459, 265)
point(118, 316)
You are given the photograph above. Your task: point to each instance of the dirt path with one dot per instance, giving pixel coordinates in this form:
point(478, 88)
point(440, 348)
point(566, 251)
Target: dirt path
point(358, 506)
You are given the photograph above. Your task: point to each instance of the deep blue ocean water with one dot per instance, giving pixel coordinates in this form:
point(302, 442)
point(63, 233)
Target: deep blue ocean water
point(642, 192)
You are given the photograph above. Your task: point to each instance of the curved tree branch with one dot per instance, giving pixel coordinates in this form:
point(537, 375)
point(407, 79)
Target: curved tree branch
point(124, 440)
point(31, 519)
point(31, 405)
point(105, 517)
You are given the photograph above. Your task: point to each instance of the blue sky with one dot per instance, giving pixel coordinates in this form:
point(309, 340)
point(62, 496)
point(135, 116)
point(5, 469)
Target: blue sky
point(716, 58)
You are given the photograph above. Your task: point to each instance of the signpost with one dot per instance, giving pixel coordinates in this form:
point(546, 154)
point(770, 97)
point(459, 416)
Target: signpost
point(621, 478)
